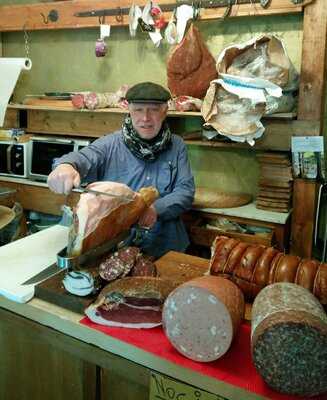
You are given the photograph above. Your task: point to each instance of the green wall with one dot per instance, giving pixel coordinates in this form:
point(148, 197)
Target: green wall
point(64, 60)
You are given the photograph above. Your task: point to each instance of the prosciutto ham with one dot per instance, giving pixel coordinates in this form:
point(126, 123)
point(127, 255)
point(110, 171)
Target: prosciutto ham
point(100, 218)
point(190, 66)
point(133, 302)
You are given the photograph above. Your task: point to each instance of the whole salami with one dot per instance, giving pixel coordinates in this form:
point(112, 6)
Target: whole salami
point(289, 339)
point(201, 317)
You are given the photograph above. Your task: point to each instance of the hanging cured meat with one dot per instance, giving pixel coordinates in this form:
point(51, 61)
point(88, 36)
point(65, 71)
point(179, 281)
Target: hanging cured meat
point(133, 302)
point(190, 66)
point(252, 267)
point(201, 317)
point(289, 340)
point(99, 218)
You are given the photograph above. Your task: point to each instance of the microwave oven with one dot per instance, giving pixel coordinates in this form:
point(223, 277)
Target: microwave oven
point(14, 158)
point(44, 150)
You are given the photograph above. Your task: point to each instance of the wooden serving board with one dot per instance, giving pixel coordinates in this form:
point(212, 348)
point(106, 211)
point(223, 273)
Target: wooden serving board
point(173, 265)
point(53, 291)
point(178, 267)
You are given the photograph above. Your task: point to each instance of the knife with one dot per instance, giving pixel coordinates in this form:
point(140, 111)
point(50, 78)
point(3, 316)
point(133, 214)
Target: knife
point(65, 262)
point(96, 192)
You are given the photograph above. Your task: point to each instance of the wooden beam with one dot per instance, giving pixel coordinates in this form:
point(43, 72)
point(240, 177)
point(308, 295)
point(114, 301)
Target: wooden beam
point(311, 107)
point(313, 68)
point(303, 217)
point(35, 16)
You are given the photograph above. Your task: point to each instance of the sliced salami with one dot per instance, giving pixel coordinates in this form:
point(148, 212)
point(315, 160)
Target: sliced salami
point(144, 266)
point(289, 339)
point(201, 317)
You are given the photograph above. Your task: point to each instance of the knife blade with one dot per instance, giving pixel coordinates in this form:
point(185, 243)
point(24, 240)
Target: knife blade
point(96, 192)
point(65, 262)
point(52, 270)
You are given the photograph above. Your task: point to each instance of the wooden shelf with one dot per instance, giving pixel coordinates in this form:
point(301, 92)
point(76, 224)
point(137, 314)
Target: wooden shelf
point(34, 16)
point(68, 121)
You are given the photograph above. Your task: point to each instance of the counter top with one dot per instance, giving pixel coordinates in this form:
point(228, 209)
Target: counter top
point(24, 258)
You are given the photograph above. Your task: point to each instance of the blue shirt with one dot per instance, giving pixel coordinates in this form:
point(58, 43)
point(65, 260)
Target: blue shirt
point(109, 159)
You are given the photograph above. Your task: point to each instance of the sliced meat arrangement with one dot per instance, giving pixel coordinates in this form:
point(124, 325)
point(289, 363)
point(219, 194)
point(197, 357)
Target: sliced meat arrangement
point(119, 264)
point(289, 340)
point(132, 302)
point(252, 267)
point(124, 261)
point(99, 218)
point(201, 317)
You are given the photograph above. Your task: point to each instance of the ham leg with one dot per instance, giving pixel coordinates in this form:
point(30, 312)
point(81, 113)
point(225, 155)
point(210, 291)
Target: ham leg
point(100, 218)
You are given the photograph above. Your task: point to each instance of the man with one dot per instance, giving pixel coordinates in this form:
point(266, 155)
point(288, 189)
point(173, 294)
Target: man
point(143, 153)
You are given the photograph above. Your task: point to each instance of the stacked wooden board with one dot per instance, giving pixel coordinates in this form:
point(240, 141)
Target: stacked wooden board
point(275, 182)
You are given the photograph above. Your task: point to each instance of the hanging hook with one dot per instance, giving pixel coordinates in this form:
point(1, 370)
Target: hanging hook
point(119, 16)
point(102, 19)
point(45, 19)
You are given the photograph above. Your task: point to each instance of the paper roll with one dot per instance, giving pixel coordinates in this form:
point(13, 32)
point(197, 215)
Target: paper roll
point(9, 72)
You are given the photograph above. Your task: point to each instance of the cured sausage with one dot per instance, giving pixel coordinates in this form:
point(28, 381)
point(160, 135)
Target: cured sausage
point(289, 339)
point(253, 267)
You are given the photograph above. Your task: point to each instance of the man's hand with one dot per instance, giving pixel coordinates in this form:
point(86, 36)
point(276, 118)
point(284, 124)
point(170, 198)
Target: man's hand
point(63, 178)
point(148, 218)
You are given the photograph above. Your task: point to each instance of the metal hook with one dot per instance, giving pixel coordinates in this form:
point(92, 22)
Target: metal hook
point(45, 19)
point(119, 16)
point(228, 10)
point(102, 21)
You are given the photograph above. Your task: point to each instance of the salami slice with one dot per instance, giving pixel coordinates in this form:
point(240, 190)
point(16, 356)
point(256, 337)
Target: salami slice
point(201, 317)
point(289, 339)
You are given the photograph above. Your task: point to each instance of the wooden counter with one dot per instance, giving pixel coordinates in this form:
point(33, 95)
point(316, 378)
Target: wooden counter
point(52, 356)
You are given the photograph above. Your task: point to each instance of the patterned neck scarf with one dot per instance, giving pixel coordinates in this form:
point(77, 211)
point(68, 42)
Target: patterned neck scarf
point(147, 150)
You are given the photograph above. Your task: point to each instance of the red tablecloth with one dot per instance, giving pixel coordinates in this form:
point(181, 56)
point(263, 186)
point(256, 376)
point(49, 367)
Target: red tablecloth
point(235, 367)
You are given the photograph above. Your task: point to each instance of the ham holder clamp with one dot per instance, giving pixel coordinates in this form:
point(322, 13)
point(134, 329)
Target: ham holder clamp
point(65, 262)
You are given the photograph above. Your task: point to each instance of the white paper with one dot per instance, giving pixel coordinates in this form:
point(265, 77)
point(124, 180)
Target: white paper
point(156, 37)
point(183, 14)
point(9, 72)
point(104, 31)
point(135, 13)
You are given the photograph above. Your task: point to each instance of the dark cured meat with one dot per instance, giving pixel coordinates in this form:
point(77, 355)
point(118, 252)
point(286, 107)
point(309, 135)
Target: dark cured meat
point(119, 264)
point(129, 315)
point(144, 267)
point(112, 268)
point(289, 339)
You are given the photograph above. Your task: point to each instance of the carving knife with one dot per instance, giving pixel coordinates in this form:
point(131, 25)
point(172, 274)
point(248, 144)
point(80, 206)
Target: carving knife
point(65, 262)
point(96, 192)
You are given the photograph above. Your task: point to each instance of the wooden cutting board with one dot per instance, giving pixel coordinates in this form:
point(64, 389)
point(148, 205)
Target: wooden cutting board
point(178, 267)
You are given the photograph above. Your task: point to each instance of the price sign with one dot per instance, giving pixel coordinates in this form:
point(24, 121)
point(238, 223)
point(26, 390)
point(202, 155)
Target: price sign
point(164, 388)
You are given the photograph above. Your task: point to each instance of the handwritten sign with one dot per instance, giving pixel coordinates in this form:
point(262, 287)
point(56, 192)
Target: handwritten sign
point(164, 388)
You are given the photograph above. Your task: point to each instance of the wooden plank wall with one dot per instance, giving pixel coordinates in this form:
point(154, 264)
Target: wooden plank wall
point(34, 16)
point(311, 108)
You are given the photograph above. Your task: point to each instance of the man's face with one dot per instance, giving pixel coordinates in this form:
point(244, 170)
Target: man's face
point(147, 118)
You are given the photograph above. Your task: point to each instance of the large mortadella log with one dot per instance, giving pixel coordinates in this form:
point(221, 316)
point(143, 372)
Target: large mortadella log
point(252, 267)
point(289, 339)
point(190, 66)
point(201, 317)
point(100, 218)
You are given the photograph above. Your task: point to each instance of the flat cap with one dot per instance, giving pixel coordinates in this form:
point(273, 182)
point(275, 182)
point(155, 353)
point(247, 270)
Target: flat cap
point(147, 92)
